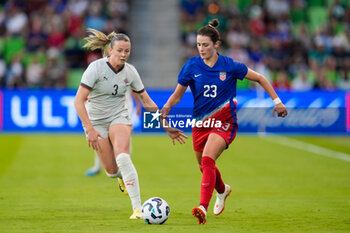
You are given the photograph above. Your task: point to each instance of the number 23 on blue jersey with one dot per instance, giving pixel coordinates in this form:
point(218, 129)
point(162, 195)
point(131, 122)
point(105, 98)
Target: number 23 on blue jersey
point(210, 91)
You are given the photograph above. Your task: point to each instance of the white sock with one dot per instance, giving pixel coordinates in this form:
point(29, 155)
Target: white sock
point(130, 178)
point(97, 163)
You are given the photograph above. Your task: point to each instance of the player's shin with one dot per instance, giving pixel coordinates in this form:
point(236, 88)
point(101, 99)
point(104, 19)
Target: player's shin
point(130, 178)
point(219, 183)
point(208, 181)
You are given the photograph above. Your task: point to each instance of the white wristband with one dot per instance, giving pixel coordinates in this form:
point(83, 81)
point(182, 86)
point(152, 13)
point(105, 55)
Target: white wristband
point(277, 101)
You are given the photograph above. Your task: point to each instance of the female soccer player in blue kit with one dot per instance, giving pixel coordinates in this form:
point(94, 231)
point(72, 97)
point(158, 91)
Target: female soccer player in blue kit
point(212, 79)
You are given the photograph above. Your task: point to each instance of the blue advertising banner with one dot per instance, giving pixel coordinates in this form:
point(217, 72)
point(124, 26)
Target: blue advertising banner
point(39, 111)
point(309, 112)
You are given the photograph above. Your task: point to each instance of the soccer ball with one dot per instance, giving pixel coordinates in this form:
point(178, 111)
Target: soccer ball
point(155, 211)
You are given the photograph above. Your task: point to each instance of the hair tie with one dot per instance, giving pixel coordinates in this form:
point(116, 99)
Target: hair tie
point(211, 26)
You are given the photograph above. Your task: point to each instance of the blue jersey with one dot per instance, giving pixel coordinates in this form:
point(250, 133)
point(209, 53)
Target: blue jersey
point(212, 87)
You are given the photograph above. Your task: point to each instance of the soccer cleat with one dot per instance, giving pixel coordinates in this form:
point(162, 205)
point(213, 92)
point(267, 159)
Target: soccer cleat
point(220, 200)
point(122, 186)
point(200, 213)
point(136, 214)
point(92, 172)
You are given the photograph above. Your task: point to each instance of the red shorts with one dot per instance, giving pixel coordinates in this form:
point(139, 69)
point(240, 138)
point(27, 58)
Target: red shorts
point(227, 130)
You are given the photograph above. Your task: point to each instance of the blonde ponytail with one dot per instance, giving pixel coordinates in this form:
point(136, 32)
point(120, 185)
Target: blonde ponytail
point(98, 40)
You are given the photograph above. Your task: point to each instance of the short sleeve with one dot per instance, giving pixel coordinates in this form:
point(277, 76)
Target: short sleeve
point(89, 77)
point(185, 77)
point(239, 70)
point(136, 82)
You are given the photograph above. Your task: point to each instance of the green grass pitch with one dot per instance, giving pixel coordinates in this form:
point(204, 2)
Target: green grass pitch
point(276, 188)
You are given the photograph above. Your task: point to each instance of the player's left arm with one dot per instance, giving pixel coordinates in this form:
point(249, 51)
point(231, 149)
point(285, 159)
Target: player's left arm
point(279, 106)
point(147, 102)
point(137, 101)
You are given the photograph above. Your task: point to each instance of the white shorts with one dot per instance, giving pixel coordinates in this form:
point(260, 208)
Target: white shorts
point(103, 128)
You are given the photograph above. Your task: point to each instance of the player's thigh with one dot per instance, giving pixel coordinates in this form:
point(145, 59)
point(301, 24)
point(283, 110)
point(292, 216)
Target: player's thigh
point(106, 156)
point(214, 146)
point(119, 135)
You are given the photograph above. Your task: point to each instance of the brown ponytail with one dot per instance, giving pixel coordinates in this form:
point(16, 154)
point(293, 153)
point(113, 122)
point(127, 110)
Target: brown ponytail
point(211, 31)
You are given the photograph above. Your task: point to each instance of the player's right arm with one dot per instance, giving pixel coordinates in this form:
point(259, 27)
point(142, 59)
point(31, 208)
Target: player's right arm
point(279, 106)
point(173, 100)
point(79, 104)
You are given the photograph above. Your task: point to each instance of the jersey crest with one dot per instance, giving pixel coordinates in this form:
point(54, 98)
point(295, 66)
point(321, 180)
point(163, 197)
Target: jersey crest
point(222, 76)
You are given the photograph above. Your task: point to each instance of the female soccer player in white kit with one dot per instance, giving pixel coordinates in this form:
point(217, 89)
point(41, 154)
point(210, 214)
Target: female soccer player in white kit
point(96, 168)
point(105, 117)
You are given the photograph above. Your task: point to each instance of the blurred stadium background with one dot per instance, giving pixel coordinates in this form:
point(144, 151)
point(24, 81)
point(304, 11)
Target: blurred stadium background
point(284, 185)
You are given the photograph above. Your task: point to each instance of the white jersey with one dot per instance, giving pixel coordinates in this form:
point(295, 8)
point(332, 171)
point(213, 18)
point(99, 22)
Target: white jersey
point(129, 102)
point(108, 89)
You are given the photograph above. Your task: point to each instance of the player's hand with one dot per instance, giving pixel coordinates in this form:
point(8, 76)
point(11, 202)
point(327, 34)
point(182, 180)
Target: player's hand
point(165, 111)
point(93, 136)
point(280, 109)
point(176, 134)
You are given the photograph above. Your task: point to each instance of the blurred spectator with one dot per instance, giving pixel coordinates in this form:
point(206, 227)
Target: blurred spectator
point(337, 10)
point(14, 76)
point(338, 52)
point(36, 36)
point(16, 20)
point(190, 9)
point(73, 49)
point(237, 35)
point(237, 53)
point(275, 8)
point(257, 24)
point(303, 36)
point(95, 19)
point(58, 5)
point(330, 73)
point(34, 73)
point(301, 82)
point(55, 72)
point(56, 37)
point(319, 54)
point(78, 7)
point(298, 13)
point(281, 82)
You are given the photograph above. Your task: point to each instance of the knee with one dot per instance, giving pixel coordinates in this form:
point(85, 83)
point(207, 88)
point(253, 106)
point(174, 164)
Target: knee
point(207, 162)
point(123, 159)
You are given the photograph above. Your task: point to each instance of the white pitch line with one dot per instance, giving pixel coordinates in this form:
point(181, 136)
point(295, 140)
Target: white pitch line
point(308, 147)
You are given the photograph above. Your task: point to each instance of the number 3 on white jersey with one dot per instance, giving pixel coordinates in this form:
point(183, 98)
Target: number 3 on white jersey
point(210, 91)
